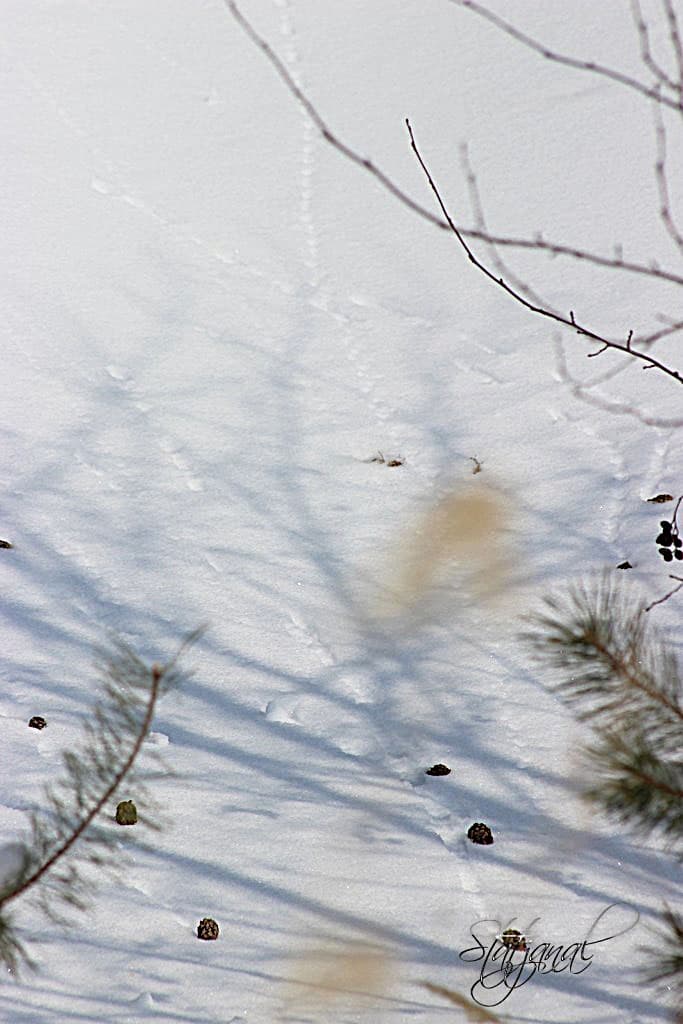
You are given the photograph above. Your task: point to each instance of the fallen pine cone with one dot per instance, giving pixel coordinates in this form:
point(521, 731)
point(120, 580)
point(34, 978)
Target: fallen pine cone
point(513, 939)
point(207, 929)
point(480, 833)
point(126, 813)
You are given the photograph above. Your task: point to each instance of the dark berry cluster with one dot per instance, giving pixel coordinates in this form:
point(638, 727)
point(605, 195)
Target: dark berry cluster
point(668, 540)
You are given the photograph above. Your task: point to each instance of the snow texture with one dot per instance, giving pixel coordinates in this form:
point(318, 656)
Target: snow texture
point(210, 324)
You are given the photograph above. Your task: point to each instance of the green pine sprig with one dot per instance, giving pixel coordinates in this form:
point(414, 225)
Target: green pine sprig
point(65, 841)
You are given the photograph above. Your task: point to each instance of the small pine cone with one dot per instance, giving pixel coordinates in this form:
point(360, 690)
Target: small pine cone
point(207, 928)
point(438, 769)
point(37, 722)
point(513, 939)
point(126, 813)
point(480, 833)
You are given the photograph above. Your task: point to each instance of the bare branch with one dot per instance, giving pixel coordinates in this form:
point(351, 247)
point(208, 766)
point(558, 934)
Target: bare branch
point(645, 51)
point(320, 124)
point(530, 300)
point(675, 35)
point(616, 262)
point(666, 597)
point(570, 321)
point(501, 267)
point(662, 178)
point(652, 92)
point(583, 392)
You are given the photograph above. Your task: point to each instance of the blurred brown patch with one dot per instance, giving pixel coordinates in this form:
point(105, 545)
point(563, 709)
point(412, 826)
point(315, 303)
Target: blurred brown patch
point(462, 531)
point(353, 975)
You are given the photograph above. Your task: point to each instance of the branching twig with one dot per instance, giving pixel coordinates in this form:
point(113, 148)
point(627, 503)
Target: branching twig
point(501, 267)
point(666, 597)
point(583, 391)
point(652, 92)
point(569, 321)
point(645, 52)
point(530, 301)
point(616, 262)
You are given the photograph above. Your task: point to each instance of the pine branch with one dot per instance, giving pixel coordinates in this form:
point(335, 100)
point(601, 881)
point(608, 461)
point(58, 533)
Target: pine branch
point(619, 676)
point(64, 836)
point(635, 781)
point(622, 679)
point(611, 657)
point(665, 968)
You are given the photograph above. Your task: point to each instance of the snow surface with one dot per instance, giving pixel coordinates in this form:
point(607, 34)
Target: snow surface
point(210, 323)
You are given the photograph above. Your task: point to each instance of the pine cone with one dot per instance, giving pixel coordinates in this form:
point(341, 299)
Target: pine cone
point(207, 928)
point(513, 939)
point(480, 833)
point(37, 722)
point(126, 813)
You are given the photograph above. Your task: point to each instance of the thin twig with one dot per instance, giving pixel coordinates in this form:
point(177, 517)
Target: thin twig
point(662, 178)
point(320, 124)
point(616, 262)
point(571, 62)
point(645, 51)
point(666, 597)
point(674, 518)
point(569, 321)
point(366, 164)
point(675, 36)
point(583, 392)
point(501, 267)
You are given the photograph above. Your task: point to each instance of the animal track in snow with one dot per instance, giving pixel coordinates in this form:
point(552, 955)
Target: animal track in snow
point(283, 709)
point(125, 382)
point(309, 142)
point(305, 635)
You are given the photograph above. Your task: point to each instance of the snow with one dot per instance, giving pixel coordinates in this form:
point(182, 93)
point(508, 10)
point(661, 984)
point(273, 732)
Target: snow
point(210, 323)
